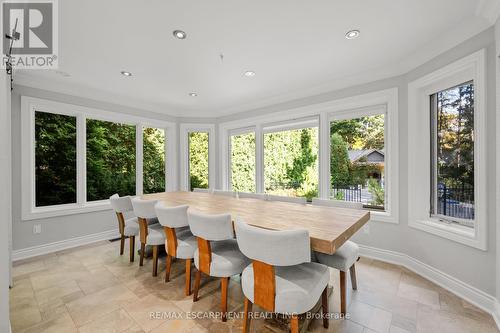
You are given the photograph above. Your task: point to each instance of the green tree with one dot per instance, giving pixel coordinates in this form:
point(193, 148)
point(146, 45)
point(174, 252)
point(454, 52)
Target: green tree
point(339, 162)
point(153, 160)
point(198, 159)
point(243, 162)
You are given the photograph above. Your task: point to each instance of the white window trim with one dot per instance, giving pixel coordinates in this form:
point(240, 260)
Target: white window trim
point(28, 107)
point(185, 129)
point(323, 112)
point(472, 67)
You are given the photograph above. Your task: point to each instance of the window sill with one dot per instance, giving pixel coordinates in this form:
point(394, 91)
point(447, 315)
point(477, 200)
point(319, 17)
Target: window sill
point(64, 210)
point(381, 216)
point(452, 231)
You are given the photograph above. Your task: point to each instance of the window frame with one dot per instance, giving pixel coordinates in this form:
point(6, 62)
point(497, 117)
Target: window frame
point(29, 105)
point(470, 68)
point(323, 113)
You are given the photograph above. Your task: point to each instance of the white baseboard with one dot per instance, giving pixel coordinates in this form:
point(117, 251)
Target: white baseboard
point(471, 294)
point(62, 245)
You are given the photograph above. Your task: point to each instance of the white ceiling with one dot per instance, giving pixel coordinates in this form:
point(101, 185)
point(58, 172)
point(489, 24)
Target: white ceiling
point(296, 47)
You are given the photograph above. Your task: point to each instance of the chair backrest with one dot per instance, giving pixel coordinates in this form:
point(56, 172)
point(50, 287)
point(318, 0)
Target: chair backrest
point(226, 193)
point(299, 200)
point(276, 248)
point(211, 227)
point(337, 203)
point(261, 196)
point(121, 204)
point(144, 208)
point(172, 217)
point(202, 190)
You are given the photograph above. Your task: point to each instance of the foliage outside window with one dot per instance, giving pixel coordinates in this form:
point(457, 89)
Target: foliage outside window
point(357, 158)
point(243, 162)
point(198, 159)
point(452, 166)
point(111, 158)
point(55, 159)
point(291, 163)
point(153, 160)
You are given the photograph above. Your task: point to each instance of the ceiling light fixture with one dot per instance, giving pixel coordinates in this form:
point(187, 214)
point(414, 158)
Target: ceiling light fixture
point(193, 94)
point(351, 34)
point(249, 73)
point(125, 73)
point(179, 34)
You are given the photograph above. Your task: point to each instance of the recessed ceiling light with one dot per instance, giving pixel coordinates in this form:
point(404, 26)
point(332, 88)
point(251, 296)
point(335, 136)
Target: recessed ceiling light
point(351, 34)
point(125, 73)
point(179, 34)
point(249, 73)
point(193, 94)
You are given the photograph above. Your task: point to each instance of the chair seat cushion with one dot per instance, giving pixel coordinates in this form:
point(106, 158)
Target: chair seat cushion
point(227, 260)
point(156, 235)
point(131, 227)
point(298, 288)
point(186, 244)
point(342, 259)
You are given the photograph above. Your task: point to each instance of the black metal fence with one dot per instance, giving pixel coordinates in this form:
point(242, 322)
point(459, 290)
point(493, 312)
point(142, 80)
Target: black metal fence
point(456, 201)
point(352, 193)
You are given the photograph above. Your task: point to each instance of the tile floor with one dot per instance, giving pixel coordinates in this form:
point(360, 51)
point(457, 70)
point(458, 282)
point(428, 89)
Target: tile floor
point(93, 289)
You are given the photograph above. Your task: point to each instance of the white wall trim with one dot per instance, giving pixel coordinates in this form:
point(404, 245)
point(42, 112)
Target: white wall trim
point(63, 245)
point(469, 293)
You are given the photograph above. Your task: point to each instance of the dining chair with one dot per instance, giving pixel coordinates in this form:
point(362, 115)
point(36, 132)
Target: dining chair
point(225, 193)
point(345, 257)
point(217, 254)
point(299, 200)
point(261, 196)
point(201, 190)
point(281, 278)
point(128, 228)
point(150, 231)
point(180, 242)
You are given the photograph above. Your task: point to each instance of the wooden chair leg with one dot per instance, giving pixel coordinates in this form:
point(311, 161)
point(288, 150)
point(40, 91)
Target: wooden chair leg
point(224, 285)
point(246, 316)
point(131, 241)
point(155, 260)
point(141, 258)
point(168, 267)
point(122, 244)
point(196, 285)
point(342, 292)
point(353, 277)
point(294, 324)
point(324, 307)
point(188, 277)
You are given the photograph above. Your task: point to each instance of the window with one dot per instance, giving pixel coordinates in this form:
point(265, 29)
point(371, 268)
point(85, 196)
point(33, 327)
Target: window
point(198, 160)
point(55, 159)
point(153, 141)
point(357, 160)
point(243, 162)
point(452, 154)
point(110, 159)
point(291, 162)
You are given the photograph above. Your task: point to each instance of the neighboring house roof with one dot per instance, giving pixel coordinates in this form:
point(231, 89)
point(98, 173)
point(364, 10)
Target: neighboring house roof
point(368, 155)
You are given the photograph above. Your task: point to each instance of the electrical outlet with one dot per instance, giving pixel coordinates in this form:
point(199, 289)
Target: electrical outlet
point(366, 229)
point(37, 229)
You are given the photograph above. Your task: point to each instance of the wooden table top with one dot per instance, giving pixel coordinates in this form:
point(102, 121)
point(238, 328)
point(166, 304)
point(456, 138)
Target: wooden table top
point(329, 227)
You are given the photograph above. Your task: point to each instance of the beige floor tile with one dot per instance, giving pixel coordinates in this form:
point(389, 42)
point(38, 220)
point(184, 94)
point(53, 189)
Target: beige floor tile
point(178, 326)
point(52, 309)
point(98, 279)
point(63, 289)
point(452, 303)
point(27, 268)
point(114, 322)
point(371, 317)
point(421, 295)
point(95, 305)
point(400, 306)
point(395, 329)
point(62, 324)
point(24, 317)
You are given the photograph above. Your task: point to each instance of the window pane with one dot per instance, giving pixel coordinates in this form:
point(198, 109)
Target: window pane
point(357, 158)
point(198, 160)
point(243, 162)
point(153, 160)
point(453, 160)
point(55, 159)
point(110, 159)
point(291, 163)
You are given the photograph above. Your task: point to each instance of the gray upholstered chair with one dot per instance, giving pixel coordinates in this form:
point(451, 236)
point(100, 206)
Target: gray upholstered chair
point(299, 200)
point(201, 190)
point(150, 231)
point(344, 259)
point(281, 278)
point(243, 195)
point(226, 193)
point(128, 228)
point(180, 241)
point(217, 254)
